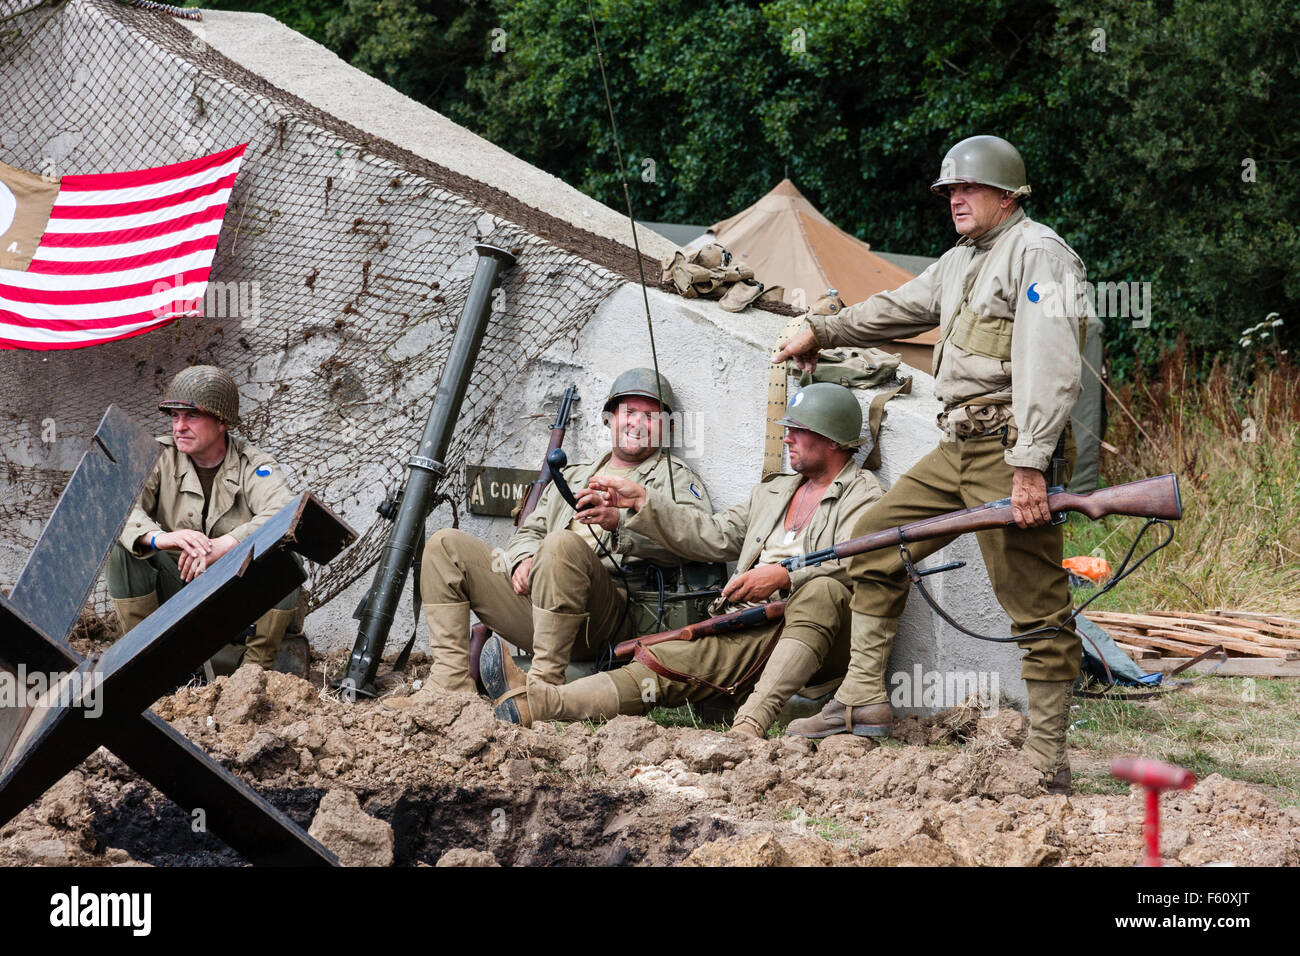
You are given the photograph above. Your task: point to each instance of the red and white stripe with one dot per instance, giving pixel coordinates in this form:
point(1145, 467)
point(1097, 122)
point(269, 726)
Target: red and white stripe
point(122, 254)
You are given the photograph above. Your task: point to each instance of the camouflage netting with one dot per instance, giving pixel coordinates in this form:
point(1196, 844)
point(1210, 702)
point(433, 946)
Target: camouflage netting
point(342, 268)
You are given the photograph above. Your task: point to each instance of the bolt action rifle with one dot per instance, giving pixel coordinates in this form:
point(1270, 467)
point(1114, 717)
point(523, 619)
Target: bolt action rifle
point(1155, 499)
point(479, 633)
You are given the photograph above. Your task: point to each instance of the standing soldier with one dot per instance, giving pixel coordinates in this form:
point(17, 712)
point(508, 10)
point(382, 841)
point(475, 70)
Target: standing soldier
point(558, 589)
point(1008, 299)
point(208, 492)
point(786, 516)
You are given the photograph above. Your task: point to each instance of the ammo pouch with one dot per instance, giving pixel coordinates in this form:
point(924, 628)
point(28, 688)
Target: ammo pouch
point(652, 614)
point(982, 335)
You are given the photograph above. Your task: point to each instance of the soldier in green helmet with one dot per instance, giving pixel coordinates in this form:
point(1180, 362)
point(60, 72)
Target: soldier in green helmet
point(1009, 303)
point(786, 516)
point(557, 589)
point(209, 491)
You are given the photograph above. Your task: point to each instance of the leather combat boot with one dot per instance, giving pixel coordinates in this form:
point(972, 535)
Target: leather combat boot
point(791, 664)
point(268, 632)
point(869, 720)
point(591, 698)
point(131, 611)
point(505, 683)
point(1049, 720)
point(554, 635)
point(449, 648)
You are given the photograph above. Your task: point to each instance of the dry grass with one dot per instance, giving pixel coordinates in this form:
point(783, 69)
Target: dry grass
point(1233, 441)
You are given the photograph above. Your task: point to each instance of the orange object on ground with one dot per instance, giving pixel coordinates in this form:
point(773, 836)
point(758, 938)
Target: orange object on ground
point(1086, 566)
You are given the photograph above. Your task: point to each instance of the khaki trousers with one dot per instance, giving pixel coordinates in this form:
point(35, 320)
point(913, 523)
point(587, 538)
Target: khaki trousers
point(1024, 565)
point(159, 572)
point(816, 615)
point(567, 576)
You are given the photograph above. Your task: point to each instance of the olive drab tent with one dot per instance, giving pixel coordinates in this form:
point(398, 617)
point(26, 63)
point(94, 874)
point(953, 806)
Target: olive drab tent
point(787, 242)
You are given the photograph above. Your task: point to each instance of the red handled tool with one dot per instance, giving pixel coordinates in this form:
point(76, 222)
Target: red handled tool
point(1155, 776)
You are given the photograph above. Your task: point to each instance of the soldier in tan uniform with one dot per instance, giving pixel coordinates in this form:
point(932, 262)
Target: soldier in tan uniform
point(784, 517)
point(1007, 372)
point(557, 590)
point(207, 493)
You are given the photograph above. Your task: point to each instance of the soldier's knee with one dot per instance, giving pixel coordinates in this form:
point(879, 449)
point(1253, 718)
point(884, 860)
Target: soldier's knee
point(565, 545)
point(445, 544)
point(823, 590)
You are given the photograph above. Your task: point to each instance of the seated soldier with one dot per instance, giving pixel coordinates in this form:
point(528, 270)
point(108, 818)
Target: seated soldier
point(558, 591)
point(207, 493)
point(786, 516)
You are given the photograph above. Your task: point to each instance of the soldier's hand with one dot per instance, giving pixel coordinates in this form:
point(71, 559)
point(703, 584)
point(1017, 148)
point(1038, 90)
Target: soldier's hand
point(757, 584)
point(187, 541)
point(1029, 498)
point(619, 492)
point(802, 348)
point(221, 547)
point(191, 567)
point(594, 508)
point(519, 580)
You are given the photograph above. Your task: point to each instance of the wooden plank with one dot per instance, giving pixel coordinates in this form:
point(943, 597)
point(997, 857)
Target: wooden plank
point(1233, 667)
point(1241, 647)
point(1137, 653)
point(1164, 644)
point(1216, 625)
point(1282, 626)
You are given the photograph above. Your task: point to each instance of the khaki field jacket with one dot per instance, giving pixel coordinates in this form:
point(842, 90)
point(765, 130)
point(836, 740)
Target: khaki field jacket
point(1008, 306)
point(247, 490)
point(738, 534)
point(554, 514)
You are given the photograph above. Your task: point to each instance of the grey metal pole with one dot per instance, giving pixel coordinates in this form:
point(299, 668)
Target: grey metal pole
point(427, 468)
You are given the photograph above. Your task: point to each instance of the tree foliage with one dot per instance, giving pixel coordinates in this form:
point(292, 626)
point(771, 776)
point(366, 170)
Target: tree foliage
point(1160, 135)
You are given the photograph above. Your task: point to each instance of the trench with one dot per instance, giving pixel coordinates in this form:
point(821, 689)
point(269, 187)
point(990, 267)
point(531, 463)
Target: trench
point(541, 826)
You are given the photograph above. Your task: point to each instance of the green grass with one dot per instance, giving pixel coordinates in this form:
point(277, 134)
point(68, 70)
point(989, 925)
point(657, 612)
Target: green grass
point(686, 716)
point(1213, 726)
point(828, 828)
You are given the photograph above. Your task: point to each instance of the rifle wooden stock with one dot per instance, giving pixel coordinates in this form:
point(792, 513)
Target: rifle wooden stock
point(1148, 498)
point(724, 624)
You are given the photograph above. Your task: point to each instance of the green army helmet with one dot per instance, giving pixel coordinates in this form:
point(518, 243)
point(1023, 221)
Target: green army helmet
point(828, 409)
point(641, 381)
point(204, 388)
point(986, 160)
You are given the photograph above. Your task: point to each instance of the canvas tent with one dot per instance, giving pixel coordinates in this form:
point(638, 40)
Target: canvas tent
point(788, 242)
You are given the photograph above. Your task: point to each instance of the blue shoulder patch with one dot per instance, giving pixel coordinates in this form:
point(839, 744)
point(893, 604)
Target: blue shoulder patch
point(695, 491)
point(263, 472)
point(1032, 293)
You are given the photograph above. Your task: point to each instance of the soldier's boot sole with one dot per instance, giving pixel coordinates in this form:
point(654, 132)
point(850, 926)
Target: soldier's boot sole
point(505, 683)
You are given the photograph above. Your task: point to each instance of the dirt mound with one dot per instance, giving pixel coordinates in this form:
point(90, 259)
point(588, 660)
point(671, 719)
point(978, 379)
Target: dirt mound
point(437, 780)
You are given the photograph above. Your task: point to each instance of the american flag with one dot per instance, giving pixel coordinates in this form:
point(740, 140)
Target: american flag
point(92, 258)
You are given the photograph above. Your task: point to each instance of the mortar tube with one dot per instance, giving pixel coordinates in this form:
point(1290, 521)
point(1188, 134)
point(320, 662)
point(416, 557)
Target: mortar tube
point(426, 467)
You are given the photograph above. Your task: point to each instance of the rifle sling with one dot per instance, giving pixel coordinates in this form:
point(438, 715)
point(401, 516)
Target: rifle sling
point(644, 655)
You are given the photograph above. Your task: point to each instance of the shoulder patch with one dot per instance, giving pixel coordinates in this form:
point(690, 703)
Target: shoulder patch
point(263, 472)
point(695, 491)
